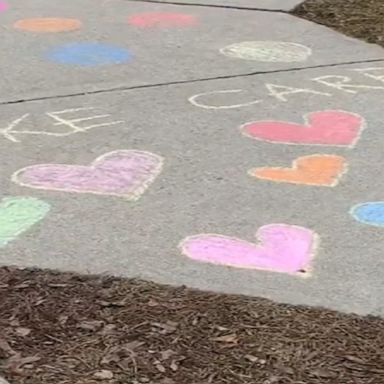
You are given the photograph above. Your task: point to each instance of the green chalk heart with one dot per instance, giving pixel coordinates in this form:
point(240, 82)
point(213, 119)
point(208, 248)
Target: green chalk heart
point(18, 214)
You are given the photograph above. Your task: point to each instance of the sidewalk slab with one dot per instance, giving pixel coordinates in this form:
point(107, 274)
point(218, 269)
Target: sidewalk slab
point(204, 43)
point(280, 5)
point(204, 185)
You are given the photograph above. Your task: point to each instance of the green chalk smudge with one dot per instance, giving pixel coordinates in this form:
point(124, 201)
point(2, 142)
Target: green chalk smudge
point(18, 214)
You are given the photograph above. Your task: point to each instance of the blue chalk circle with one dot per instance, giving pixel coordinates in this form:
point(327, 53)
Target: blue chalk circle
point(369, 213)
point(88, 54)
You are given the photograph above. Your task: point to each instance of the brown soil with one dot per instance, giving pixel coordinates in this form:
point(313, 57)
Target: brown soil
point(363, 19)
point(58, 328)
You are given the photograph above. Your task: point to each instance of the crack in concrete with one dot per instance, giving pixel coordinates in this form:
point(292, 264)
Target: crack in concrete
point(233, 7)
point(180, 82)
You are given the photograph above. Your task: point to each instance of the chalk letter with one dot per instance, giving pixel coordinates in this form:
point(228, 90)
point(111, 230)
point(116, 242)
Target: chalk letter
point(340, 83)
point(279, 91)
point(72, 122)
point(371, 75)
point(193, 100)
point(6, 132)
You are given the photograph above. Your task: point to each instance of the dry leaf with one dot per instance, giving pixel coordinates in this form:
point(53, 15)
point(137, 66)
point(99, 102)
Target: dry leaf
point(165, 380)
point(22, 285)
point(356, 360)
point(103, 375)
point(152, 303)
point(322, 372)
point(3, 381)
point(160, 367)
point(125, 364)
point(103, 303)
point(15, 363)
point(220, 328)
point(108, 329)
point(91, 325)
point(231, 338)
point(165, 328)
point(5, 347)
point(23, 331)
point(63, 319)
point(117, 353)
point(287, 370)
point(251, 358)
point(272, 380)
point(165, 355)
point(131, 346)
point(174, 366)
point(111, 357)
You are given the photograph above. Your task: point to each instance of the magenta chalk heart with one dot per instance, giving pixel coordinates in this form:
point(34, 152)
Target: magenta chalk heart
point(125, 173)
point(320, 128)
point(281, 248)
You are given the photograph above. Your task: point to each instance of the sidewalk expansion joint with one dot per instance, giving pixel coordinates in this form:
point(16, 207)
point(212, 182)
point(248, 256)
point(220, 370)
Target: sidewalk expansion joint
point(232, 7)
point(181, 82)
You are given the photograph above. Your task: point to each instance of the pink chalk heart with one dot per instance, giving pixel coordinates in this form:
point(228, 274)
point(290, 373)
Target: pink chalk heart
point(320, 128)
point(126, 173)
point(281, 248)
point(3, 5)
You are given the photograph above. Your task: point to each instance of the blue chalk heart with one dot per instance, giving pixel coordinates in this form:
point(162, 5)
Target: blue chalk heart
point(369, 213)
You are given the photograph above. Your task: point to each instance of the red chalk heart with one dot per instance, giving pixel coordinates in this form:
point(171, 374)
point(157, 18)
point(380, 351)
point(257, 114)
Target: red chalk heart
point(321, 128)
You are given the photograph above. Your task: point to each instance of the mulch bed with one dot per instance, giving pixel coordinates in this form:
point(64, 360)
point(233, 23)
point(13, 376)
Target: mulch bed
point(60, 328)
point(363, 19)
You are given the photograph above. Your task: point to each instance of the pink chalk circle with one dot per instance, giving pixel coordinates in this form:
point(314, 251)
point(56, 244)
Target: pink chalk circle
point(161, 19)
point(3, 6)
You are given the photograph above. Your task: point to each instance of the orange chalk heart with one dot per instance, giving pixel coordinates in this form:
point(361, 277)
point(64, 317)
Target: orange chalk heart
point(324, 170)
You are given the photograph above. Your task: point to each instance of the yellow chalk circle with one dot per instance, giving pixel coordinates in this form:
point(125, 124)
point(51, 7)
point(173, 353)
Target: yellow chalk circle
point(268, 51)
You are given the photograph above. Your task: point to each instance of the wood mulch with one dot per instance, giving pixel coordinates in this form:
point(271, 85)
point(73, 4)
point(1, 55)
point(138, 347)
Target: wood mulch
point(60, 328)
point(363, 19)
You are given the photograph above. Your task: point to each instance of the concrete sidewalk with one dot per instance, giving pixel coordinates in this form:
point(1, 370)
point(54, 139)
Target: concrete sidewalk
point(165, 141)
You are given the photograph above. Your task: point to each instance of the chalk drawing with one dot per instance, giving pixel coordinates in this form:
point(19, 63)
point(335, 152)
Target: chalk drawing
point(280, 92)
point(123, 173)
point(283, 93)
point(8, 132)
point(88, 54)
point(268, 51)
point(18, 214)
point(47, 24)
point(371, 213)
point(194, 100)
point(161, 19)
point(11, 133)
point(281, 248)
point(335, 128)
point(318, 170)
point(72, 123)
point(366, 72)
point(343, 83)
point(3, 6)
